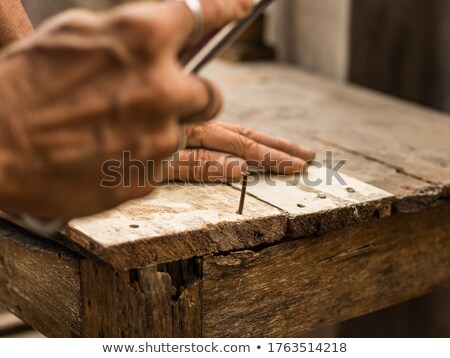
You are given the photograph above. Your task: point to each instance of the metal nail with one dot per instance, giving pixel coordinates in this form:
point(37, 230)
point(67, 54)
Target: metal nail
point(245, 175)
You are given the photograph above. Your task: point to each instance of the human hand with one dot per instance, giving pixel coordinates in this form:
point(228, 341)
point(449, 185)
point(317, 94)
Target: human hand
point(220, 151)
point(85, 88)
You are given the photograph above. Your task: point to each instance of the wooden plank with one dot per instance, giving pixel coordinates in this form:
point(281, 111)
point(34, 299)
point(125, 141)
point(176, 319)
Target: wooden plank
point(317, 202)
point(177, 222)
point(412, 195)
point(298, 286)
point(403, 137)
point(377, 133)
point(39, 282)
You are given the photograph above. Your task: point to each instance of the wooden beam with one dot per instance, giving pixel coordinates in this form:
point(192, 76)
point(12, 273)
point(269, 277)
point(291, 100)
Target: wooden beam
point(141, 303)
point(40, 282)
point(62, 294)
point(298, 286)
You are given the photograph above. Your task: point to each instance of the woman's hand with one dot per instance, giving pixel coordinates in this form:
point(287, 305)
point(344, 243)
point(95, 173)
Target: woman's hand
point(87, 87)
point(220, 151)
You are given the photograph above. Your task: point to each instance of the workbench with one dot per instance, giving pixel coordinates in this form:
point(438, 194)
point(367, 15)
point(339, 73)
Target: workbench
point(183, 263)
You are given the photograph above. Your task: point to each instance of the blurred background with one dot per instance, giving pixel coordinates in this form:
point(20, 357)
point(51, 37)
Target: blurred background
point(399, 47)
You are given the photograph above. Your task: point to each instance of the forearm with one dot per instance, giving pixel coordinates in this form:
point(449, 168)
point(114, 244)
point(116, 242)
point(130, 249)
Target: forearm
point(14, 22)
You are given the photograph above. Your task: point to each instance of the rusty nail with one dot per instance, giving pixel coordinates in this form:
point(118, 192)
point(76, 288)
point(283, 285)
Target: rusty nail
point(245, 175)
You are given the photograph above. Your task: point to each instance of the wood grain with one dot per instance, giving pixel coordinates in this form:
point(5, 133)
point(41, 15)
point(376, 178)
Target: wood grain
point(176, 223)
point(39, 282)
point(316, 202)
point(297, 286)
point(378, 136)
point(406, 140)
point(138, 304)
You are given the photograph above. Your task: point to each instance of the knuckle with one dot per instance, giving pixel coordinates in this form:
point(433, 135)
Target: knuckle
point(245, 131)
point(243, 146)
point(195, 134)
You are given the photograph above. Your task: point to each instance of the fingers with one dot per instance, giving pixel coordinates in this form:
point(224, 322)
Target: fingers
point(271, 141)
point(216, 14)
point(204, 166)
point(217, 138)
point(201, 99)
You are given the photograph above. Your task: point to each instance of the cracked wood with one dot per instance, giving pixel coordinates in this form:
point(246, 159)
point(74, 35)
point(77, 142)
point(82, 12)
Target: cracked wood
point(298, 286)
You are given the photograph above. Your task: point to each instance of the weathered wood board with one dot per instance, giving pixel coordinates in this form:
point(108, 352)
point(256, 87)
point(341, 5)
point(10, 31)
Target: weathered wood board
point(321, 200)
point(291, 288)
point(180, 222)
point(39, 282)
point(375, 133)
point(177, 222)
point(408, 142)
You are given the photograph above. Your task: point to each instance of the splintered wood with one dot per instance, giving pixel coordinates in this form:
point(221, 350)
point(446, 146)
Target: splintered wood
point(180, 222)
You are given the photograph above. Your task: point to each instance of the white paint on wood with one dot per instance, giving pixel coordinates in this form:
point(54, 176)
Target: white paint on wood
point(171, 210)
point(316, 191)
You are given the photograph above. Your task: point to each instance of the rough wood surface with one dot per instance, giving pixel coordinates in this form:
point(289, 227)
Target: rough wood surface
point(378, 136)
point(177, 223)
point(295, 287)
point(317, 202)
point(138, 304)
point(397, 146)
point(39, 282)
